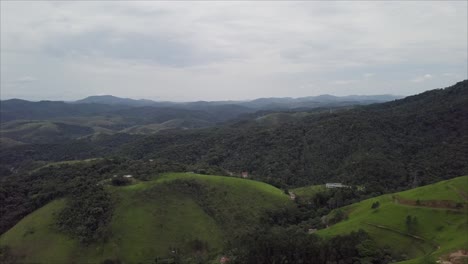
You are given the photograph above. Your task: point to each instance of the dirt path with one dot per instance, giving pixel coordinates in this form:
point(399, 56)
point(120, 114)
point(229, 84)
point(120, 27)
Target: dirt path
point(437, 204)
point(460, 193)
point(433, 244)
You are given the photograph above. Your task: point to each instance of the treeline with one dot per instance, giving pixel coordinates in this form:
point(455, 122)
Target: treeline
point(87, 213)
point(21, 194)
point(292, 245)
point(385, 147)
point(285, 235)
point(282, 235)
point(308, 212)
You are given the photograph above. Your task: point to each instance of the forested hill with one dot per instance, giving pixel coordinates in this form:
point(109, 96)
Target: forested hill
point(388, 146)
point(408, 142)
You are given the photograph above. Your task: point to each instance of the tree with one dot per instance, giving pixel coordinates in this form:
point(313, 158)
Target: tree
point(120, 181)
point(411, 223)
point(375, 205)
point(408, 222)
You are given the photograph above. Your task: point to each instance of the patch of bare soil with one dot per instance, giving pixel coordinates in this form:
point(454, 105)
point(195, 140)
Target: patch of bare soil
point(457, 257)
point(445, 204)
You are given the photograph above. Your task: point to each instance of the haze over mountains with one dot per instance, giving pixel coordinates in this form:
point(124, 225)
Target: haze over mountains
point(290, 146)
point(280, 102)
point(35, 122)
point(80, 152)
point(23, 109)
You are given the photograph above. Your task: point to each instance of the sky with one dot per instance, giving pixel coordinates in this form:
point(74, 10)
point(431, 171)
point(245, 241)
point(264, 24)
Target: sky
point(189, 50)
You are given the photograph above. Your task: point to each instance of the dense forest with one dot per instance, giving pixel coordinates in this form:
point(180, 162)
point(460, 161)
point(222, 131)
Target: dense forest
point(389, 146)
point(383, 147)
point(407, 142)
point(24, 193)
point(375, 149)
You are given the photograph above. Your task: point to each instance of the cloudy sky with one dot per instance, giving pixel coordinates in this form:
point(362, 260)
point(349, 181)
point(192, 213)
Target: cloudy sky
point(191, 50)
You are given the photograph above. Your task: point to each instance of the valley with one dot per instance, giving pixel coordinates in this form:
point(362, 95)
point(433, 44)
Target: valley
point(209, 182)
point(233, 132)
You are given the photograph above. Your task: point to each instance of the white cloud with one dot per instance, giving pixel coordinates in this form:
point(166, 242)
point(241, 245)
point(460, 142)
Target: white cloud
point(422, 78)
point(222, 50)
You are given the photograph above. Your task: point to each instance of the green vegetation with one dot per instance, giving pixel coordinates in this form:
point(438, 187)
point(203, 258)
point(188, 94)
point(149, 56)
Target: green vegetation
point(384, 147)
point(272, 244)
point(410, 230)
point(64, 198)
point(8, 142)
point(120, 181)
point(309, 191)
point(194, 215)
point(170, 124)
point(87, 214)
point(276, 119)
point(453, 190)
point(42, 131)
point(32, 237)
point(32, 187)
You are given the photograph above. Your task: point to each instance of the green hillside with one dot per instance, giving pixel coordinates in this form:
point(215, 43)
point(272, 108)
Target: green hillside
point(192, 214)
point(42, 131)
point(276, 119)
point(426, 222)
point(309, 191)
point(8, 142)
point(170, 124)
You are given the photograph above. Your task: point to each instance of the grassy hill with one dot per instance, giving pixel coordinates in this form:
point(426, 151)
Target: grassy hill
point(191, 214)
point(42, 131)
point(309, 191)
point(438, 220)
point(8, 142)
point(170, 124)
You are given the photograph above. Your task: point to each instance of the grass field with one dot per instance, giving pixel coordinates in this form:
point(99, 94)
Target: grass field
point(35, 131)
point(454, 190)
point(440, 230)
point(152, 217)
point(309, 191)
point(34, 236)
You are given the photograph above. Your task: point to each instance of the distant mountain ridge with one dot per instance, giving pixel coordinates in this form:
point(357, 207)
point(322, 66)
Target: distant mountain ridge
point(114, 100)
point(282, 102)
point(420, 138)
point(18, 109)
point(389, 144)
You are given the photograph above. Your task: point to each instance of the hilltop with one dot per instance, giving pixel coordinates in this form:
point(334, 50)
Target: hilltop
point(113, 100)
point(198, 218)
point(421, 223)
point(184, 214)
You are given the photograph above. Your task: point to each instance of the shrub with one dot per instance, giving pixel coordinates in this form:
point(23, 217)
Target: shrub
point(375, 205)
point(120, 181)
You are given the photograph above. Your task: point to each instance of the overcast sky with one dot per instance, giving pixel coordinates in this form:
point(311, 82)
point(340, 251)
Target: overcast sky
point(191, 50)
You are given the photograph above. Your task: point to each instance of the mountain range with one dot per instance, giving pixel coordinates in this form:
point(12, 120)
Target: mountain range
point(262, 103)
point(203, 182)
point(392, 144)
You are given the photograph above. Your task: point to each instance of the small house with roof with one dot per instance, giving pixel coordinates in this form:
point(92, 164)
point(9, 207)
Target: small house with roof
point(335, 185)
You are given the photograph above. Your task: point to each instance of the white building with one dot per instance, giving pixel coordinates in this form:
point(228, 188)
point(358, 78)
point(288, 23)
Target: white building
point(335, 185)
